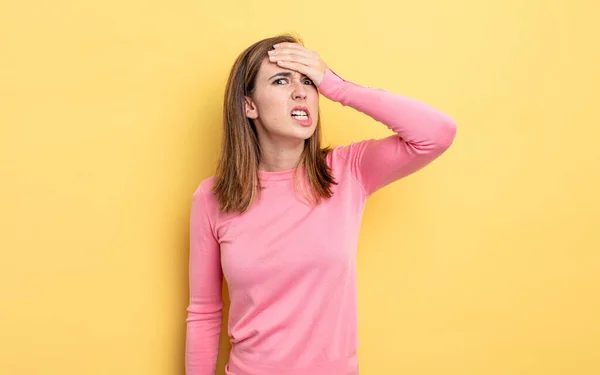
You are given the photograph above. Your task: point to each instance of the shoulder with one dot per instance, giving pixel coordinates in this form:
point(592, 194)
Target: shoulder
point(204, 191)
point(346, 154)
point(205, 185)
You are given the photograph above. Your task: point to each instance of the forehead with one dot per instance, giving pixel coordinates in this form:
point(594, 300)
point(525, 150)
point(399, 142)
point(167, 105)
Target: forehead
point(269, 69)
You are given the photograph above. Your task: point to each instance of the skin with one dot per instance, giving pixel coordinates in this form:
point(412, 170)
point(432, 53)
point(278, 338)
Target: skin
point(280, 136)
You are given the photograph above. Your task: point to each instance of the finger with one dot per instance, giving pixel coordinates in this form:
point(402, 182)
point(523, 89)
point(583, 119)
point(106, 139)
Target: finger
point(288, 45)
point(301, 68)
point(293, 58)
point(288, 51)
point(293, 46)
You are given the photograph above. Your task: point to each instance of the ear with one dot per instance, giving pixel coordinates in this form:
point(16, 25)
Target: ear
point(250, 108)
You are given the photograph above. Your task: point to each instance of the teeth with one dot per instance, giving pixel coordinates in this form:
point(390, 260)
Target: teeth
point(299, 113)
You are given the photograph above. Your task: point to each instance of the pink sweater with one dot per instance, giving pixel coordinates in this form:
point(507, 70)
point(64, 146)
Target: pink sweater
point(290, 267)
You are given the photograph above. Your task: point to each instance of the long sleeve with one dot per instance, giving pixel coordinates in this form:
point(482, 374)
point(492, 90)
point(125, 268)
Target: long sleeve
point(205, 308)
point(423, 133)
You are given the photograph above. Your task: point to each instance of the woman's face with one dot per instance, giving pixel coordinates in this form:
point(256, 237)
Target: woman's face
point(284, 105)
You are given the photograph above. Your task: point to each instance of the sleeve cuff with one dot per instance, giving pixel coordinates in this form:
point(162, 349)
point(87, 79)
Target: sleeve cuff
point(331, 85)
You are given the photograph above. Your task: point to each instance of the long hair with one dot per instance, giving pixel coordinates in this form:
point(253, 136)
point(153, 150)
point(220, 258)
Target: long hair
point(236, 180)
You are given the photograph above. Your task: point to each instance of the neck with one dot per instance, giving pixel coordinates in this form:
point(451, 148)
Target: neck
point(280, 157)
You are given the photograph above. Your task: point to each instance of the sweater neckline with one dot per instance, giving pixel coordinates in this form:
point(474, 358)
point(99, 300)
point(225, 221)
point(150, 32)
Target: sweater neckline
point(275, 176)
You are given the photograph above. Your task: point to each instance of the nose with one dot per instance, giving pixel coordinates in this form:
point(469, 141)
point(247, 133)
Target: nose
point(300, 91)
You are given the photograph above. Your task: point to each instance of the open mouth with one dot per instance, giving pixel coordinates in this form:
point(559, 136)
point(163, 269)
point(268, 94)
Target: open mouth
point(300, 113)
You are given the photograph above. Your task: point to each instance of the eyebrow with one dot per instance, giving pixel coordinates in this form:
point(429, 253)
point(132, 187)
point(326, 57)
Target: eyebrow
point(285, 74)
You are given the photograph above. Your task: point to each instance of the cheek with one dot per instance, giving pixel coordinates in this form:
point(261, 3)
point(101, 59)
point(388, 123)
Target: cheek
point(272, 106)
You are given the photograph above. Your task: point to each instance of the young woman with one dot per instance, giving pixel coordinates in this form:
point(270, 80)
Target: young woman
point(281, 217)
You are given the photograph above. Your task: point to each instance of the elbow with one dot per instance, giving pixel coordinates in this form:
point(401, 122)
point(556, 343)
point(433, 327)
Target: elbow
point(446, 134)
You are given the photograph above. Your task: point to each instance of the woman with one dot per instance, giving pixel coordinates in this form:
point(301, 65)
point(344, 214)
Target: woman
point(281, 217)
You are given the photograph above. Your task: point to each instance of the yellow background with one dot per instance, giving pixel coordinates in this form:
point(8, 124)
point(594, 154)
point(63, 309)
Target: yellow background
point(487, 262)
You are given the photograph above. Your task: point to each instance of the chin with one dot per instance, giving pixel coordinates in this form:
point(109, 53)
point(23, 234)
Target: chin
point(305, 134)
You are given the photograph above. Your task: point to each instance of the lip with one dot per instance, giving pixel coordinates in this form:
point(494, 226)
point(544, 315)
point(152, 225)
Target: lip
point(307, 122)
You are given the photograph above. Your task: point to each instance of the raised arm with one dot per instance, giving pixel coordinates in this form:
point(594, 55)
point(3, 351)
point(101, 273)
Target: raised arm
point(422, 132)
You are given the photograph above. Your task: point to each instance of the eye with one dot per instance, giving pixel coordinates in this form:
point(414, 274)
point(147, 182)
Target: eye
point(309, 81)
point(279, 80)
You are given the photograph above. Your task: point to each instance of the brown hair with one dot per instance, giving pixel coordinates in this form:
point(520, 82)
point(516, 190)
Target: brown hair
point(236, 180)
